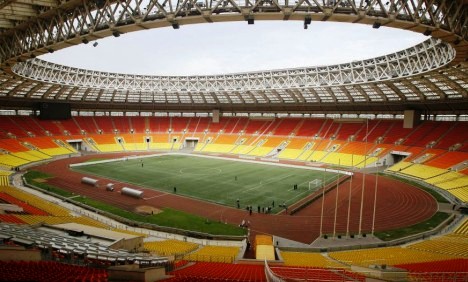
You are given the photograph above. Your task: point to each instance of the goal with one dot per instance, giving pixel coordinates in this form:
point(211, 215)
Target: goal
point(315, 184)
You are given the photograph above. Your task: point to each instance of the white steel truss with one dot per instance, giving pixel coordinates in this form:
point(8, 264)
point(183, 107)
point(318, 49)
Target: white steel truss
point(443, 90)
point(428, 55)
point(29, 28)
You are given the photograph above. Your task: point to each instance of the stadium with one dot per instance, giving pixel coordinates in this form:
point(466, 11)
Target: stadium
point(346, 172)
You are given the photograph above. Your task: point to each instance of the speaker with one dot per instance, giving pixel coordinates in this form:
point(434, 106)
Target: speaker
point(53, 111)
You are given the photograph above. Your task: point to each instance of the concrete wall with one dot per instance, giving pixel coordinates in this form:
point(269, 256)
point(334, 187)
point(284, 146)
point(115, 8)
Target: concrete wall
point(9, 254)
point(134, 273)
point(133, 244)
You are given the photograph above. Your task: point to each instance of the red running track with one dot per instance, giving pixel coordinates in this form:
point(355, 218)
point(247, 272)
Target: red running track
point(398, 204)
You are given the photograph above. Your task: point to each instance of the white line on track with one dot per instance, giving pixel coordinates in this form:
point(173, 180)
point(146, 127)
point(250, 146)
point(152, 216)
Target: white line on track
point(157, 196)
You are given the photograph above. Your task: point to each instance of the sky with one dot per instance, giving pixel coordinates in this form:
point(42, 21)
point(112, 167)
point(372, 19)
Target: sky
point(232, 47)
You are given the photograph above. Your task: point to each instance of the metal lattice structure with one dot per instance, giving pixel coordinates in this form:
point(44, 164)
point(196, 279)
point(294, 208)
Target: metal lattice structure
point(31, 27)
point(429, 55)
point(417, 77)
point(444, 90)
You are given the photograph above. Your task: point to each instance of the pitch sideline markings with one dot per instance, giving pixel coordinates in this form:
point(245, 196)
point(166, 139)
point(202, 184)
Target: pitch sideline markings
point(181, 171)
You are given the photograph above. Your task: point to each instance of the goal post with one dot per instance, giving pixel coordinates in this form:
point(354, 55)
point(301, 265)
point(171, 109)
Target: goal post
point(315, 184)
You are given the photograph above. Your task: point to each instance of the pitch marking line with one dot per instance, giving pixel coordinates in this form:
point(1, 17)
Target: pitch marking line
point(204, 171)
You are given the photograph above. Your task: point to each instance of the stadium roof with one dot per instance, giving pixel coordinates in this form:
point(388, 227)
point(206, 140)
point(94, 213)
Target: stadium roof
point(431, 76)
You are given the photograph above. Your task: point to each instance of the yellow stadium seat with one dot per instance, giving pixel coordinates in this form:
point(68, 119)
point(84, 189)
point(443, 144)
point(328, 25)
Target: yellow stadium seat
point(214, 254)
point(453, 244)
point(388, 256)
point(170, 247)
point(309, 260)
point(290, 154)
point(35, 201)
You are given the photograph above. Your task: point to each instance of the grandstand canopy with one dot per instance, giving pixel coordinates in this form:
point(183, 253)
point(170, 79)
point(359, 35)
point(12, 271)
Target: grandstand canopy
point(431, 76)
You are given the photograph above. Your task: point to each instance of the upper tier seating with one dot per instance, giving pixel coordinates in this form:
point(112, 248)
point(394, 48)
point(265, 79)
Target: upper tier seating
point(87, 124)
point(456, 134)
point(159, 124)
point(51, 126)
point(122, 124)
point(179, 124)
point(348, 130)
point(310, 127)
point(139, 124)
point(9, 127)
point(70, 126)
point(395, 131)
point(448, 159)
point(286, 126)
point(198, 124)
point(105, 124)
point(12, 145)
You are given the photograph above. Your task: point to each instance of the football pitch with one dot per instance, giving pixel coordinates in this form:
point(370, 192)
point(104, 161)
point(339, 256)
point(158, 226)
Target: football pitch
point(216, 180)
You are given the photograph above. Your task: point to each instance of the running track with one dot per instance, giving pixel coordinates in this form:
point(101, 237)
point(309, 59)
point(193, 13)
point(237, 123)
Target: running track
point(398, 204)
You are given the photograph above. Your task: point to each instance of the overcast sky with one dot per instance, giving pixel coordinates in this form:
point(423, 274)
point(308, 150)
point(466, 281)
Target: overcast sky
point(221, 48)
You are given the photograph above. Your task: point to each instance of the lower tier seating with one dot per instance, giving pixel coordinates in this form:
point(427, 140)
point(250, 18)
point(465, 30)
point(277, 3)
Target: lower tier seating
point(203, 271)
point(45, 271)
point(214, 254)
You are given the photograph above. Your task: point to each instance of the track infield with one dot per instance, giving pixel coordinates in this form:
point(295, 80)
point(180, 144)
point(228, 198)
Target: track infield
point(215, 180)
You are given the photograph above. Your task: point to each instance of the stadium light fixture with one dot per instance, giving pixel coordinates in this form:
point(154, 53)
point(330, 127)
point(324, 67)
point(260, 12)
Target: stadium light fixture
point(376, 25)
point(250, 21)
point(427, 32)
point(175, 25)
point(307, 21)
point(100, 3)
point(116, 33)
point(50, 50)
point(85, 40)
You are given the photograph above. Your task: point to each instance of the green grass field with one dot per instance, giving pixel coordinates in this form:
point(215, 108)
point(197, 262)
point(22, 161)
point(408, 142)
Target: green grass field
point(214, 180)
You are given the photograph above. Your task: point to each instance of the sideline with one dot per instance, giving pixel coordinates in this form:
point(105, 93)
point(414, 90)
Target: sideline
point(345, 172)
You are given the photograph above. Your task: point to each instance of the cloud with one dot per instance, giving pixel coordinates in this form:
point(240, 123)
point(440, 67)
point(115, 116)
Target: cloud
point(235, 47)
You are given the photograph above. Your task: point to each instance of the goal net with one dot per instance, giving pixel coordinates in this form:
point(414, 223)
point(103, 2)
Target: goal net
point(315, 184)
